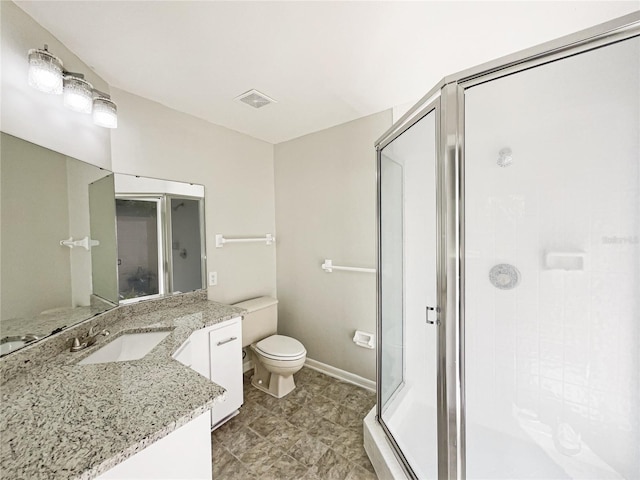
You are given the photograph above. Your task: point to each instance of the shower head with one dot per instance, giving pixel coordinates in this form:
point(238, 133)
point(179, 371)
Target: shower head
point(505, 157)
point(181, 204)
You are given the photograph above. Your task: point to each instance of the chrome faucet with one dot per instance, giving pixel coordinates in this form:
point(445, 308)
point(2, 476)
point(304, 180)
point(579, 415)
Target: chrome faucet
point(86, 341)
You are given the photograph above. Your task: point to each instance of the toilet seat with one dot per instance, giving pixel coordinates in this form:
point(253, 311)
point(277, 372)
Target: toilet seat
point(281, 347)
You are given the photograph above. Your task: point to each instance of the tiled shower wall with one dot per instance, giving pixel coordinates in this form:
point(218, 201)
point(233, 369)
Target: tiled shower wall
point(562, 347)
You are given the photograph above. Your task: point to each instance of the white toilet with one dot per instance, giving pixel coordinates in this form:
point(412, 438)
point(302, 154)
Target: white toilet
point(275, 357)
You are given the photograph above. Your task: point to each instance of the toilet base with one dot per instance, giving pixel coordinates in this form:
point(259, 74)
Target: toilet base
point(272, 383)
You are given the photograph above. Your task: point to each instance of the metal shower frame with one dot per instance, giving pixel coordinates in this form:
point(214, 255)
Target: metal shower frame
point(447, 99)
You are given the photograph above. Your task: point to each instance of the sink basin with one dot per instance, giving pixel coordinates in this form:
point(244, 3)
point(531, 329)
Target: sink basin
point(130, 346)
point(9, 344)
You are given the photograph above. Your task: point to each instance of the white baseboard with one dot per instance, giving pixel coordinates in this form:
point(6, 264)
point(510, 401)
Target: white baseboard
point(341, 374)
point(246, 366)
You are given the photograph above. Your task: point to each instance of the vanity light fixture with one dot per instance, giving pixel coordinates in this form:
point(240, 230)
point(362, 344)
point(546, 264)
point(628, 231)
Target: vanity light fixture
point(105, 112)
point(78, 93)
point(46, 73)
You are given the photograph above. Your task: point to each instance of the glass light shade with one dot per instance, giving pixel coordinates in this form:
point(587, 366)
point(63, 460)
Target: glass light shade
point(45, 71)
point(78, 94)
point(105, 113)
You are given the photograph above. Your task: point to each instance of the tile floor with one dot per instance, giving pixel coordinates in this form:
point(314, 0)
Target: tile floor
point(314, 433)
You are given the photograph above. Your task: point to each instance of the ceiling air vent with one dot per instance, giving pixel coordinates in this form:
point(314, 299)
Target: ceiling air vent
point(255, 99)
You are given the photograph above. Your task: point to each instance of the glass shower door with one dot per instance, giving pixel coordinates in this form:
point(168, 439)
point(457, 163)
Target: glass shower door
point(408, 368)
point(552, 270)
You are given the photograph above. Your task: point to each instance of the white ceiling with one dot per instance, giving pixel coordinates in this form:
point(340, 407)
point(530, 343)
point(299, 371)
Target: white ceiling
point(324, 62)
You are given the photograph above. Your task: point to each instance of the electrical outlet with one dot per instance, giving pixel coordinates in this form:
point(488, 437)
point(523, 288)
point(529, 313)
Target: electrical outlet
point(213, 279)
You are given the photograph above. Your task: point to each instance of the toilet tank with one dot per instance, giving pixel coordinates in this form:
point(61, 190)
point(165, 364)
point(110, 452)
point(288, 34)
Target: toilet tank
point(261, 319)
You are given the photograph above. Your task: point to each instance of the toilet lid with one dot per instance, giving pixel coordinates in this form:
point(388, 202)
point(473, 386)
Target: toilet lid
point(281, 346)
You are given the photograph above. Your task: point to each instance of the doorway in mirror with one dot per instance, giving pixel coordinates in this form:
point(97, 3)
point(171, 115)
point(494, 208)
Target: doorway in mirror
point(139, 228)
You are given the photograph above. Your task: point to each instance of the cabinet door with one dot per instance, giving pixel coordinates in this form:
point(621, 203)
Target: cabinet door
point(185, 453)
point(226, 368)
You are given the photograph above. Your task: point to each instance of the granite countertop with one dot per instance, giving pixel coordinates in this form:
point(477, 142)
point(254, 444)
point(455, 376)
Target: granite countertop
point(64, 420)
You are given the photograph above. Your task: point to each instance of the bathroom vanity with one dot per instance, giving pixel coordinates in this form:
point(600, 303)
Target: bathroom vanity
point(141, 402)
point(120, 419)
point(184, 453)
point(215, 352)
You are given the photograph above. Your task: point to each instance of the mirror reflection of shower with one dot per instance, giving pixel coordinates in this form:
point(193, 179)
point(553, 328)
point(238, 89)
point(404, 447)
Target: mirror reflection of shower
point(186, 238)
point(139, 247)
point(161, 247)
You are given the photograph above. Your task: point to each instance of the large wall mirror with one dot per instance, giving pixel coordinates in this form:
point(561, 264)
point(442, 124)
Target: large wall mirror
point(76, 240)
point(58, 242)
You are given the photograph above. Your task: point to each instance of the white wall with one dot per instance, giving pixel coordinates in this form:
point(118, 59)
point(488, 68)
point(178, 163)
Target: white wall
point(325, 208)
point(39, 117)
point(236, 170)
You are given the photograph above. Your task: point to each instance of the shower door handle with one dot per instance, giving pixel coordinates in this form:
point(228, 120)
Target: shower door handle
point(432, 311)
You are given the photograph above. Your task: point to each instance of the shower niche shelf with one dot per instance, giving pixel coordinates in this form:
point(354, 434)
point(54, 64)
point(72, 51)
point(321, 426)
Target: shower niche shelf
point(569, 261)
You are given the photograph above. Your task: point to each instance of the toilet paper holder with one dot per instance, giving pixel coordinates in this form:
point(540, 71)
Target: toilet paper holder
point(364, 339)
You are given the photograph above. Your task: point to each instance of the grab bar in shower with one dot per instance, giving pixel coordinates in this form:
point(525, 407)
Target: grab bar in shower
point(329, 267)
point(86, 243)
point(220, 240)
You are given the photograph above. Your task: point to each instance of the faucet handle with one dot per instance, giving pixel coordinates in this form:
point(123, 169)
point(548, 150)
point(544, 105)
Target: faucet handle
point(76, 345)
point(93, 333)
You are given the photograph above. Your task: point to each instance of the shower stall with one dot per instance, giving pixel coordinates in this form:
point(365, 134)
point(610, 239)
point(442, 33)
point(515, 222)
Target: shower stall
point(509, 268)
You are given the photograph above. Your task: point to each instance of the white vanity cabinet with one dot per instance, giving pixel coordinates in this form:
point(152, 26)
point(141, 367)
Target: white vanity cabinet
point(185, 453)
point(215, 352)
point(225, 347)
